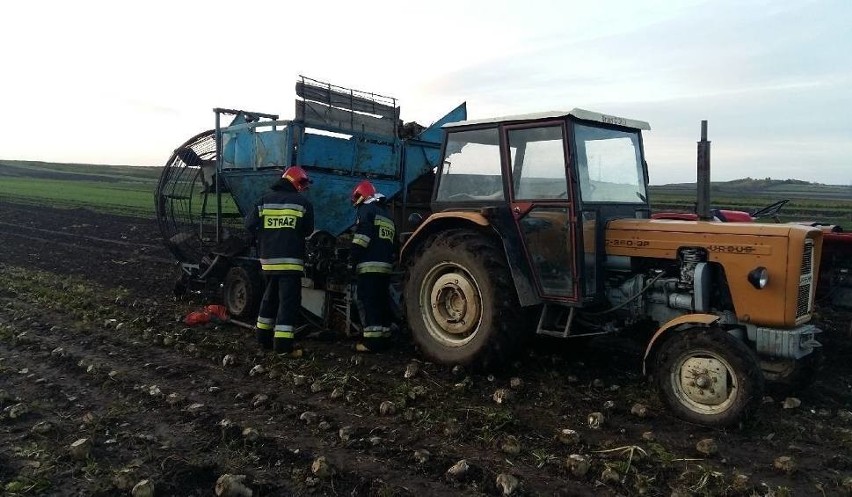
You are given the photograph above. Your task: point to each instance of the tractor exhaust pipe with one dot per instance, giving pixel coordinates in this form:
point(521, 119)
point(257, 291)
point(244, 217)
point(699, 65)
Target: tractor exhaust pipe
point(703, 178)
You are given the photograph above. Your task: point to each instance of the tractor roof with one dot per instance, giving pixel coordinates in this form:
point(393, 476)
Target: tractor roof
point(585, 115)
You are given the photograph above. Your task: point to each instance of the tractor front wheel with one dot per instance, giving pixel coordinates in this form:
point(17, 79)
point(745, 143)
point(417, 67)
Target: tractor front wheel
point(709, 377)
point(460, 303)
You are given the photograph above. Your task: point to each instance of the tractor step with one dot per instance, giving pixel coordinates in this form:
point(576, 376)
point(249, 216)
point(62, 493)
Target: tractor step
point(555, 321)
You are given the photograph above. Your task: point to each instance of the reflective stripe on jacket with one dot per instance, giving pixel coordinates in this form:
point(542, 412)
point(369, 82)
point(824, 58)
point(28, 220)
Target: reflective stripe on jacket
point(374, 267)
point(281, 220)
point(374, 240)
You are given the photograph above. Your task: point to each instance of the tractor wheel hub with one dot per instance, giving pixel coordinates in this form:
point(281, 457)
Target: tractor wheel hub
point(704, 380)
point(455, 303)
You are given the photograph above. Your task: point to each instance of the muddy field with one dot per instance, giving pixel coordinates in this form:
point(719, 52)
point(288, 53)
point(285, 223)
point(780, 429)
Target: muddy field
point(102, 387)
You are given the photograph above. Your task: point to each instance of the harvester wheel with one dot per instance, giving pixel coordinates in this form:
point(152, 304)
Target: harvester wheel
point(460, 303)
point(709, 377)
point(242, 292)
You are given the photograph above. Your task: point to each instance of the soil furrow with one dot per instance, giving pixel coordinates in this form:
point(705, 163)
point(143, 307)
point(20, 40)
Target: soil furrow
point(84, 365)
point(133, 257)
point(65, 234)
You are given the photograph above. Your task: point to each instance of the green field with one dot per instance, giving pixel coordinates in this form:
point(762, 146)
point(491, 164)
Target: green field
point(130, 190)
point(830, 204)
point(99, 172)
point(131, 199)
point(118, 189)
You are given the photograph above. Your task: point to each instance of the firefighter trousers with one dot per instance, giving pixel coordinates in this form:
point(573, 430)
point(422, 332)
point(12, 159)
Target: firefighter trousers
point(279, 311)
point(374, 294)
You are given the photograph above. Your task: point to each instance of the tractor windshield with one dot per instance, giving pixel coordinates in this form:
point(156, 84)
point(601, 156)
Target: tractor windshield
point(471, 171)
point(609, 165)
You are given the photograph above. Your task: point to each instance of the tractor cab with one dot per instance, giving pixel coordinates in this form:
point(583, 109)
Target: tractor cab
point(550, 181)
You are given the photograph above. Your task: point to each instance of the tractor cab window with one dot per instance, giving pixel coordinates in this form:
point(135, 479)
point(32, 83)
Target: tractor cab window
point(538, 163)
point(609, 165)
point(471, 169)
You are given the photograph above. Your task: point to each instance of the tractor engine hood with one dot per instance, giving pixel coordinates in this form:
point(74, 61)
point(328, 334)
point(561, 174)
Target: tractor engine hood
point(789, 253)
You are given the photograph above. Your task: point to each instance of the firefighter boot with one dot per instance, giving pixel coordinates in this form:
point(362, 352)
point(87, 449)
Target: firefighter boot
point(287, 347)
point(264, 338)
point(283, 345)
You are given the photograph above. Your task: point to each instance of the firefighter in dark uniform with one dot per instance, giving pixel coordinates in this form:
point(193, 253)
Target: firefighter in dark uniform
point(281, 221)
point(372, 254)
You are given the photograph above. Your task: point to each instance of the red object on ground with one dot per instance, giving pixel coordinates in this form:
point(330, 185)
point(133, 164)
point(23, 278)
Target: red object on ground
point(216, 313)
point(219, 312)
point(195, 318)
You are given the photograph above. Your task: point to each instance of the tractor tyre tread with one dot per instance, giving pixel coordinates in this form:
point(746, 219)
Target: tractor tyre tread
point(505, 336)
point(254, 290)
point(741, 358)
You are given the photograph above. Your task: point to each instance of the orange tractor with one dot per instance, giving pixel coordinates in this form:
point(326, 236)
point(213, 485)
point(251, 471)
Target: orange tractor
point(540, 224)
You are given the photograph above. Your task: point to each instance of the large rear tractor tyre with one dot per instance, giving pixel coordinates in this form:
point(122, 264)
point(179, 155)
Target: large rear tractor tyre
point(242, 292)
point(709, 377)
point(460, 302)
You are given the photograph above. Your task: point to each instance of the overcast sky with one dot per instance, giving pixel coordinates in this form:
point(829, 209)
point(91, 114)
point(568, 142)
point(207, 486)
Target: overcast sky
point(127, 82)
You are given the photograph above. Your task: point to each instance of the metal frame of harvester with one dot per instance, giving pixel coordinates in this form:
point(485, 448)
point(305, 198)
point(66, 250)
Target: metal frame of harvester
point(340, 136)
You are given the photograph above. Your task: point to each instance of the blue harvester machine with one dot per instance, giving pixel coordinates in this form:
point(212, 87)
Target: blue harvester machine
point(340, 136)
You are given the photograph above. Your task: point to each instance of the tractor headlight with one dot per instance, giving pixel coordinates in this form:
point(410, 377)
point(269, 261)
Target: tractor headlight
point(758, 277)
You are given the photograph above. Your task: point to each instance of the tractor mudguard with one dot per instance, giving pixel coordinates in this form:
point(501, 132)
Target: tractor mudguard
point(430, 225)
point(700, 319)
point(443, 221)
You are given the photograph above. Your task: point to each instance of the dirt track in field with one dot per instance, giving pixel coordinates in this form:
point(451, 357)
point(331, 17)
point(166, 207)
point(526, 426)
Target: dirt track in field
point(90, 347)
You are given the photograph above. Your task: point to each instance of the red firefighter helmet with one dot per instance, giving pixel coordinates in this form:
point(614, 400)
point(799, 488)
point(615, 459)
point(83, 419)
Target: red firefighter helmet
point(297, 177)
point(362, 192)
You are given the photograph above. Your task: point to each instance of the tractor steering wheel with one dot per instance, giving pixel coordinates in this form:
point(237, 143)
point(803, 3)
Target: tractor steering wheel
point(770, 210)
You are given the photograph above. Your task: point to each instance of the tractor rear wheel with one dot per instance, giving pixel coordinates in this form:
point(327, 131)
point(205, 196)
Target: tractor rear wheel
point(709, 377)
point(242, 292)
point(460, 303)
